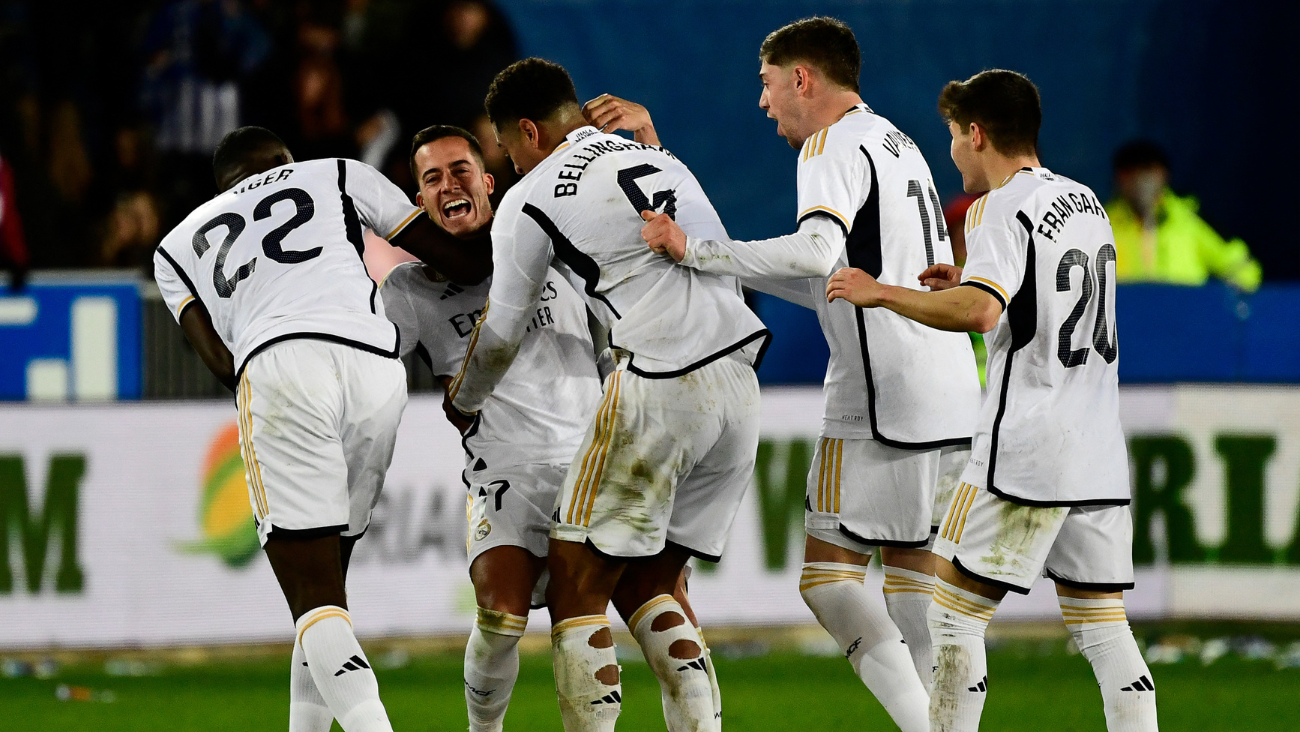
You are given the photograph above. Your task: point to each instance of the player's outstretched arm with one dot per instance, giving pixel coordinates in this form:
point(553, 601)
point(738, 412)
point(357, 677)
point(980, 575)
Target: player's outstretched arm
point(466, 261)
point(960, 309)
point(609, 113)
point(812, 251)
point(200, 333)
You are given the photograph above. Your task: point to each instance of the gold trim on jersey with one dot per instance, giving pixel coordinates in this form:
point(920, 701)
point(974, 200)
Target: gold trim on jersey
point(454, 389)
point(828, 210)
point(994, 285)
point(593, 463)
point(828, 475)
point(321, 614)
point(975, 214)
point(181, 308)
point(815, 145)
point(252, 471)
point(404, 224)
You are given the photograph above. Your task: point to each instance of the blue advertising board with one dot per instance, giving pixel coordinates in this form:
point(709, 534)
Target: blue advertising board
point(71, 337)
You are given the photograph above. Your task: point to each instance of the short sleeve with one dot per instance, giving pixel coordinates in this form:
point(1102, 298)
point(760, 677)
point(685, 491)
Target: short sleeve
point(381, 206)
point(398, 309)
point(995, 253)
point(832, 175)
point(176, 287)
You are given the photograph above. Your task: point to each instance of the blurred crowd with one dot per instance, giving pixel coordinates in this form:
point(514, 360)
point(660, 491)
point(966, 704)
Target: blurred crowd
point(109, 112)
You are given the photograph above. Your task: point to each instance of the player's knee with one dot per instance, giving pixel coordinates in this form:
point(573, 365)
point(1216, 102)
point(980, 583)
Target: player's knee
point(607, 675)
point(665, 621)
point(684, 649)
point(601, 639)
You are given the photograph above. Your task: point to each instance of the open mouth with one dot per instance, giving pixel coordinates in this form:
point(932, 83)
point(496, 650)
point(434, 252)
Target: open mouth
point(457, 208)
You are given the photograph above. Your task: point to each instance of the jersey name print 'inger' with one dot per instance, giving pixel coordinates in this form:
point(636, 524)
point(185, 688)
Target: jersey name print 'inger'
point(278, 257)
point(1042, 245)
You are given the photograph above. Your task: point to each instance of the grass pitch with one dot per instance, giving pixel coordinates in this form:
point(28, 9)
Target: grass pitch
point(1034, 685)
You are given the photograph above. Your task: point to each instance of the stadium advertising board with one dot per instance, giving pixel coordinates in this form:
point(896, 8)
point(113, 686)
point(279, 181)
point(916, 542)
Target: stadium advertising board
point(129, 524)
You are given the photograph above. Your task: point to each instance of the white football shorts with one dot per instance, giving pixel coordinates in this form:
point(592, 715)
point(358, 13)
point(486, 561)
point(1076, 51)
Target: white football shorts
point(317, 423)
point(664, 460)
point(512, 506)
point(1009, 545)
point(862, 494)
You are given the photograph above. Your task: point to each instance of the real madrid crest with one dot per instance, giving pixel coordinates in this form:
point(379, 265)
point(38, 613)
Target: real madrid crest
point(482, 530)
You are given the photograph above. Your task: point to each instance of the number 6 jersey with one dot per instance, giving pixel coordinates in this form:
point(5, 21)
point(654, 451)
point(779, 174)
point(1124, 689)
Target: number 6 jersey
point(1049, 431)
point(278, 256)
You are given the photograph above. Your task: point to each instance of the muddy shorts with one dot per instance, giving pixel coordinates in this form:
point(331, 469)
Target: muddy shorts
point(511, 506)
point(664, 460)
point(317, 425)
point(1008, 545)
point(862, 494)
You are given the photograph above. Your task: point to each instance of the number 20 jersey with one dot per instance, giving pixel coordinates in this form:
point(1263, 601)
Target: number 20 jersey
point(278, 256)
point(1049, 431)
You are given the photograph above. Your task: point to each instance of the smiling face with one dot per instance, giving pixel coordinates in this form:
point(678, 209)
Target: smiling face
point(454, 190)
point(780, 99)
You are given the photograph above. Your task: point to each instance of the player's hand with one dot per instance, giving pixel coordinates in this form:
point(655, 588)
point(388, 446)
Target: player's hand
point(941, 276)
point(856, 286)
point(461, 421)
point(609, 113)
point(664, 235)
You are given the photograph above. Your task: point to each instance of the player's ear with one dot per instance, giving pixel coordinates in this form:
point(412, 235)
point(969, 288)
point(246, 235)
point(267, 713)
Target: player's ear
point(489, 183)
point(530, 133)
point(419, 199)
point(978, 139)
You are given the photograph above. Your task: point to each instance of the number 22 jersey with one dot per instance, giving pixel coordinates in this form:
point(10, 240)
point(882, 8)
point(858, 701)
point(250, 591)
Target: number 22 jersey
point(1049, 432)
point(278, 256)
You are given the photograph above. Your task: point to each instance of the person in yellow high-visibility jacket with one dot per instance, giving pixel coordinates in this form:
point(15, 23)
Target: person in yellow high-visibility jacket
point(1159, 237)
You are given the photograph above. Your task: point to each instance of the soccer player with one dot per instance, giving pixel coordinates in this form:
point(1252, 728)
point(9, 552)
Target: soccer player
point(267, 282)
point(901, 398)
point(1047, 486)
point(670, 451)
point(518, 450)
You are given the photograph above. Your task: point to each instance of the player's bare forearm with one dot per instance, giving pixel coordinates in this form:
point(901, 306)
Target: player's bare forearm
point(465, 261)
point(959, 309)
point(199, 332)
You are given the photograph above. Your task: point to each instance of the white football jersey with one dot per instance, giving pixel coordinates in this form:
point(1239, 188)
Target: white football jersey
point(542, 407)
point(1049, 431)
point(279, 257)
point(579, 210)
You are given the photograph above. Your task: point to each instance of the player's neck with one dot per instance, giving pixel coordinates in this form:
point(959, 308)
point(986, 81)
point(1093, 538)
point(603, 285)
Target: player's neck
point(831, 109)
point(562, 128)
point(1000, 169)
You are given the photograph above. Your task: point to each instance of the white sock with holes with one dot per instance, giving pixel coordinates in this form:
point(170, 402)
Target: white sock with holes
point(1100, 629)
point(308, 711)
point(341, 671)
point(672, 648)
point(869, 639)
point(491, 667)
point(713, 678)
point(958, 620)
point(587, 704)
point(907, 596)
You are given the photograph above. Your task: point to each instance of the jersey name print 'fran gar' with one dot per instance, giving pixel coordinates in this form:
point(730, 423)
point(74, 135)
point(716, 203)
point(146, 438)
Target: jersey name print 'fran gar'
point(1049, 431)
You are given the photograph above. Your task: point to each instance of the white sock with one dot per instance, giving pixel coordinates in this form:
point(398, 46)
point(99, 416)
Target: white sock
point(907, 596)
point(713, 679)
point(1100, 629)
point(308, 711)
point(587, 704)
point(658, 626)
point(958, 620)
point(869, 639)
point(341, 671)
point(491, 667)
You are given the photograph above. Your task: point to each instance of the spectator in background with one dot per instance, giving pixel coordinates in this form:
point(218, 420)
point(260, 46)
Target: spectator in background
point(197, 53)
point(13, 247)
point(1158, 235)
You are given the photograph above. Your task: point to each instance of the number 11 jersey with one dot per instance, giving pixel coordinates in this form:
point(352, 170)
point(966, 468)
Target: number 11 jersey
point(1049, 431)
point(278, 257)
